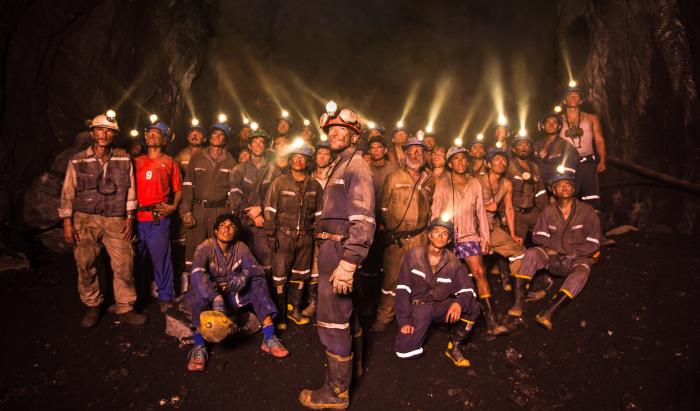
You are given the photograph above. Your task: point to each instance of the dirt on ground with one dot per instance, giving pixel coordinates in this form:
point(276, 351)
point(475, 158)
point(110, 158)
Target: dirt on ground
point(629, 341)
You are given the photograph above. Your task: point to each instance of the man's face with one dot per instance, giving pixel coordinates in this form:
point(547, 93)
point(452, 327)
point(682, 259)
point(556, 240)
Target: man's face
point(257, 146)
point(459, 163)
point(299, 162)
point(430, 142)
point(563, 189)
point(438, 157)
point(439, 237)
point(323, 157)
point(154, 138)
point(572, 99)
point(477, 151)
point(225, 231)
point(136, 149)
point(340, 137)
point(377, 151)
point(217, 138)
point(400, 137)
point(523, 150)
point(244, 156)
point(551, 125)
point(414, 157)
point(244, 133)
point(102, 136)
point(282, 126)
point(373, 132)
point(498, 164)
point(307, 134)
point(195, 138)
point(281, 145)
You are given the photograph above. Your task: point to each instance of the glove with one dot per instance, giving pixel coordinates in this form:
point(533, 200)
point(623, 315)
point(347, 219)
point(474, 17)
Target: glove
point(342, 277)
point(218, 304)
point(188, 220)
point(239, 282)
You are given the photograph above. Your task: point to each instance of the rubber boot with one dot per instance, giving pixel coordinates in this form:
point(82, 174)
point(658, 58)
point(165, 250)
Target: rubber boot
point(492, 326)
point(335, 392)
point(505, 273)
point(281, 304)
point(294, 303)
point(458, 334)
point(519, 293)
point(357, 350)
point(313, 297)
point(544, 318)
point(91, 317)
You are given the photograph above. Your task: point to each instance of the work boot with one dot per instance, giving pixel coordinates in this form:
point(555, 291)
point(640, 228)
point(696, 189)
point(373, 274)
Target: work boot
point(521, 285)
point(335, 392)
point(505, 274)
point(133, 318)
point(313, 297)
point(458, 333)
point(357, 351)
point(197, 359)
point(544, 318)
point(492, 325)
point(294, 303)
point(274, 346)
point(281, 303)
point(538, 294)
point(91, 317)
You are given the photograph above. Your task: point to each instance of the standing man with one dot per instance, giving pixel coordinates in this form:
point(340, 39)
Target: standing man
point(157, 180)
point(98, 200)
point(205, 190)
point(438, 161)
point(553, 151)
point(291, 204)
point(405, 210)
point(346, 231)
point(477, 155)
point(399, 137)
point(461, 198)
point(529, 194)
point(195, 142)
point(567, 235)
point(434, 287)
point(583, 131)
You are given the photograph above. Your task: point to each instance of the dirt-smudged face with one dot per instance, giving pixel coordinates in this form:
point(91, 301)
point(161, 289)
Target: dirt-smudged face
point(225, 231)
point(563, 189)
point(439, 237)
point(459, 163)
point(299, 162)
point(102, 136)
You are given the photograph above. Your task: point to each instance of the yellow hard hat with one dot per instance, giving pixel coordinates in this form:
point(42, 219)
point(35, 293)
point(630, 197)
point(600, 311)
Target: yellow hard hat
point(214, 326)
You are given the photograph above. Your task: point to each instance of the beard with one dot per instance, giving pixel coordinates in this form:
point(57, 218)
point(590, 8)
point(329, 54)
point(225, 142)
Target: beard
point(414, 164)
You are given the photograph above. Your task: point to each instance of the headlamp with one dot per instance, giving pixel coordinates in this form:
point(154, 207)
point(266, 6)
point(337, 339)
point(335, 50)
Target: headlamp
point(399, 123)
point(153, 118)
point(429, 129)
point(458, 141)
point(245, 120)
point(502, 120)
point(134, 133)
point(371, 124)
point(323, 137)
point(445, 216)
point(331, 108)
point(194, 122)
point(557, 109)
point(298, 142)
point(254, 126)
point(306, 122)
point(285, 113)
point(522, 132)
point(480, 136)
point(111, 115)
point(222, 118)
point(572, 83)
point(561, 169)
point(499, 144)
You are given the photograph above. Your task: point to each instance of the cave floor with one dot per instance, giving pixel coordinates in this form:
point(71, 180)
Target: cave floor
point(629, 341)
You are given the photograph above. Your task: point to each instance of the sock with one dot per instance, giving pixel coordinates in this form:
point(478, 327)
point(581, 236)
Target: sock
point(198, 339)
point(268, 332)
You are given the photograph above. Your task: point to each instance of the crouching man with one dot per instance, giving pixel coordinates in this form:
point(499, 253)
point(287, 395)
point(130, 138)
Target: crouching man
point(225, 275)
point(567, 234)
point(434, 287)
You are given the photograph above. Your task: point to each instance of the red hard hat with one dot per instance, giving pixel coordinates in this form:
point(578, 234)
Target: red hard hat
point(345, 117)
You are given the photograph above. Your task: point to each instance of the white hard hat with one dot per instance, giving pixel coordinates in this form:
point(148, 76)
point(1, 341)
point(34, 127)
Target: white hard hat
point(104, 121)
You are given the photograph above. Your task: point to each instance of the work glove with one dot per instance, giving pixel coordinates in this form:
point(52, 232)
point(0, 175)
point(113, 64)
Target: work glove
point(342, 277)
point(188, 220)
point(218, 304)
point(239, 282)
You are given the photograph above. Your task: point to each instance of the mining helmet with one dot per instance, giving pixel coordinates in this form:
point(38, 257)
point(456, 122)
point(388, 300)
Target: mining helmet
point(414, 141)
point(303, 149)
point(223, 127)
point(574, 87)
point(377, 127)
point(334, 116)
point(479, 139)
point(540, 124)
point(520, 138)
point(401, 127)
point(102, 120)
point(561, 174)
point(160, 126)
point(323, 144)
point(455, 150)
point(441, 222)
point(214, 325)
point(496, 152)
point(260, 133)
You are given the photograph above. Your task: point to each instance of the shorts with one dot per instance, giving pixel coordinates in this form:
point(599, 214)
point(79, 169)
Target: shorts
point(467, 249)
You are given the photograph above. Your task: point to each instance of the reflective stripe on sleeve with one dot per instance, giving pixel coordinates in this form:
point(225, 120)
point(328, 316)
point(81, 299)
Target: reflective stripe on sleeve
point(360, 217)
point(542, 233)
point(418, 273)
point(539, 193)
point(388, 292)
point(444, 280)
point(592, 240)
point(271, 209)
point(404, 287)
point(335, 326)
point(466, 290)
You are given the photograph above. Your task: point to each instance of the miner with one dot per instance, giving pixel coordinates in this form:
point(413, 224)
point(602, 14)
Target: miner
point(225, 279)
point(438, 161)
point(291, 204)
point(567, 235)
point(461, 197)
point(553, 151)
point(284, 124)
point(583, 131)
point(405, 210)
point(399, 137)
point(346, 230)
point(158, 191)
point(195, 141)
point(434, 287)
point(205, 190)
point(529, 194)
point(477, 156)
point(98, 200)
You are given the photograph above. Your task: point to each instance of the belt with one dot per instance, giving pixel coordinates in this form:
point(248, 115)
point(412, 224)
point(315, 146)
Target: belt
point(588, 158)
point(330, 236)
point(211, 204)
point(295, 233)
point(523, 210)
point(396, 236)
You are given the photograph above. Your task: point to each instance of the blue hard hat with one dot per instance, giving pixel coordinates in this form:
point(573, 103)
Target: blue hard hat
point(559, 176)
point(414, 141)
point(160, 126)
point(455, 150)
point(435, 222)
point(518, 138)
point(225, 128)
point(496, 152)
point(323, 144)
point(303, 149)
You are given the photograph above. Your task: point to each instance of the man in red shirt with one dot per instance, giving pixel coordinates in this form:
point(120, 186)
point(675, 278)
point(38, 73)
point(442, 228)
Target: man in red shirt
point(157, 181)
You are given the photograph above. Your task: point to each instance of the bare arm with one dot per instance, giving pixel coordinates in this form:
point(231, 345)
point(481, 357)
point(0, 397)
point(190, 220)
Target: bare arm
point(510, 212)
point(599, 142)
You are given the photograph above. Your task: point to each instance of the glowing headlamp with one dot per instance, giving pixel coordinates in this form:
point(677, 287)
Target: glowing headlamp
point(134, 133)
point(557, 109)
point(522, 132)
point(499, 144)
point(480, 137)
point(285, 113)
point(331, 108)
point(561, 169)
point(298, 142)
point(458, 141)
point(445, 217)
point(194, 122)
point(111, 115)
point(429, 129)
point(399, 123)
point(371, 124)
point(222, 118)
point(323, 137)
point(572, 83)
point(153, 118)
point(306, 122)
point(254, 126)
point(502, 120)
point(246, 121)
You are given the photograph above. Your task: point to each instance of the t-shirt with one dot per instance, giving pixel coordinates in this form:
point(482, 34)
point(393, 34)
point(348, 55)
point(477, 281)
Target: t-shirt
point(155, 180)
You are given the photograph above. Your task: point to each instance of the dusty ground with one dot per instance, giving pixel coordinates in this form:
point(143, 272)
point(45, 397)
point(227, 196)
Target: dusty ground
point(629, 341)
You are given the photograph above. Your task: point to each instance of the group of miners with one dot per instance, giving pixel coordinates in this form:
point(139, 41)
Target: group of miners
point(285, 227)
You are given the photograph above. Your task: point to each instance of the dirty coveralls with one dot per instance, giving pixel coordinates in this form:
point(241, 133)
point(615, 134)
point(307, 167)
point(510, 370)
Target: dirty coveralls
point(529, 195)
point(290, 212)
point(346, 231)
point(423, 297)
point(205, 193)
point(405, 210)
point(564, 247)
point(97, 195)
